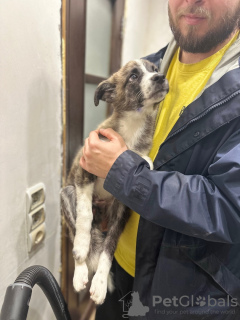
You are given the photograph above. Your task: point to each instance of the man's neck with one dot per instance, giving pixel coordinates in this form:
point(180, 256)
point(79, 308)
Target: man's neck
point(189, 58)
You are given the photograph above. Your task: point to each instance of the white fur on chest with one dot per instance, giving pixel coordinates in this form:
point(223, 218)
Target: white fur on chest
point(131, 127)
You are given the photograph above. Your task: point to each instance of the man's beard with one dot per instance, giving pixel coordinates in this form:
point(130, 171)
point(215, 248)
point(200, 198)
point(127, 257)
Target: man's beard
point(217, 33)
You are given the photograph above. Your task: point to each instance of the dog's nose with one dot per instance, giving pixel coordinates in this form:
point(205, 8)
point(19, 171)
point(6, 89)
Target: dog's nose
point(159, 78)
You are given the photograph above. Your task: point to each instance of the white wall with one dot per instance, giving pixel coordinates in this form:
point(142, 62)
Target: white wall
point(146, 28)
point(30, 136)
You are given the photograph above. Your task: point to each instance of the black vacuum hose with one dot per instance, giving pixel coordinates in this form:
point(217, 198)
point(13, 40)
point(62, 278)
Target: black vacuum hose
point(18, 295)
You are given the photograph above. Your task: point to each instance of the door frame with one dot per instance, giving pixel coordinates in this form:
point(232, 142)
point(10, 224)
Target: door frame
point(74, 79)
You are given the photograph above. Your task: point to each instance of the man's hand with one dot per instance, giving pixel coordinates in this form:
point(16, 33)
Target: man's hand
point(99, 156)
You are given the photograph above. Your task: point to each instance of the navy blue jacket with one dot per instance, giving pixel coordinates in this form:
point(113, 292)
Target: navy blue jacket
point(188, 243)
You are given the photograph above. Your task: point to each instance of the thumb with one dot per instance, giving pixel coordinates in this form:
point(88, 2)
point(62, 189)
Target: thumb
point(109, 133)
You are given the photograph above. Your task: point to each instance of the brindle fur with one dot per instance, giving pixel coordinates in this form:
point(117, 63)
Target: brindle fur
point(134, 104)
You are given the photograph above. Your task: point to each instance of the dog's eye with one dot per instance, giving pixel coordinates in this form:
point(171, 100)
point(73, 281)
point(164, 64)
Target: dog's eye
point(133, 77)
point(154, 69)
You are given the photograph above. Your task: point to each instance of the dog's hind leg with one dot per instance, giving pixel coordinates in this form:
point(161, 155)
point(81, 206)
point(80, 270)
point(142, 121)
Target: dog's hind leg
point(68, 207)
point(117, 223)
point(83, 234)
point(149, 160)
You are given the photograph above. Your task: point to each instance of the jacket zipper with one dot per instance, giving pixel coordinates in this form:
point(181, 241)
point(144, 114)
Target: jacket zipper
point(204, 113)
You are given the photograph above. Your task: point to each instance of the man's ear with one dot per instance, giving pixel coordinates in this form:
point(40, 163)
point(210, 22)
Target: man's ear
point(105, 91)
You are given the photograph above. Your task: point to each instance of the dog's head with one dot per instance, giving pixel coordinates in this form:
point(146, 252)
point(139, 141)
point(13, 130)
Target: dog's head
point(136, 85)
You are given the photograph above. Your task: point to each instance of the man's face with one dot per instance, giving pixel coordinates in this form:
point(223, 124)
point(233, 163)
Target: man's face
point(200, 25)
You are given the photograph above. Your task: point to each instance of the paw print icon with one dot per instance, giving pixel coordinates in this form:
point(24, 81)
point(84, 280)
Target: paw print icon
point(201, 301)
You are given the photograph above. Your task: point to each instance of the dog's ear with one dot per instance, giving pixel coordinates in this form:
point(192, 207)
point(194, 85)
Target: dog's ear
point(105, 91)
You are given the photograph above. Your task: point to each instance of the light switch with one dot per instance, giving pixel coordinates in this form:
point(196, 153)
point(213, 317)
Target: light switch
point(36, 217)
point(36, 228)
point(35, 196)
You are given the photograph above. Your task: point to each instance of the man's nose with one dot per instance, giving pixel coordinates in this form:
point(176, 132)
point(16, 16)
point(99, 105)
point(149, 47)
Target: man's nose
point(159, 78)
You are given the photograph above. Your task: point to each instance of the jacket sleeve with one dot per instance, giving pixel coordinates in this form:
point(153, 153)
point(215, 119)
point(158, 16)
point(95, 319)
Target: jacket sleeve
point(198, 206)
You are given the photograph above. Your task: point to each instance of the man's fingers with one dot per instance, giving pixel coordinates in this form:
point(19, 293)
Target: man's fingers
point(93, 135)
point(109, 133)
point(97, 155)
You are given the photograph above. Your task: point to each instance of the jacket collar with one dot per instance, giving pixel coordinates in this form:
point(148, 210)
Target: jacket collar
point(223, 86)
point(221, 101)
point(229, 61)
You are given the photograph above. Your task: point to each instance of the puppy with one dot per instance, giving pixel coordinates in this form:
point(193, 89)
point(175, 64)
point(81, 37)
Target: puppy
point(134, 92)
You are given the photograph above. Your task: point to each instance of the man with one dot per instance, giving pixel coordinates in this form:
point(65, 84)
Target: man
point(183, 256)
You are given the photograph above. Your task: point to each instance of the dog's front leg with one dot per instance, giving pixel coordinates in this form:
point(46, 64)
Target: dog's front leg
point(149, 160)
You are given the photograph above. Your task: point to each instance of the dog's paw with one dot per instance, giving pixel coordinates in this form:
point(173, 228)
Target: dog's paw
point(149, 161)
point(80, 253)
point(98, 289)
point(80, 278)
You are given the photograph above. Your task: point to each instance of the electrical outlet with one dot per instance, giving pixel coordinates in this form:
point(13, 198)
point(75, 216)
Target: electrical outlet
point(36, 237)
point(36, 217)
point(35, 196)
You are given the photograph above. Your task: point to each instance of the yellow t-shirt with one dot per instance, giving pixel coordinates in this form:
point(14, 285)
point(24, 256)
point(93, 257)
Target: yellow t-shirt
point(186, 82)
